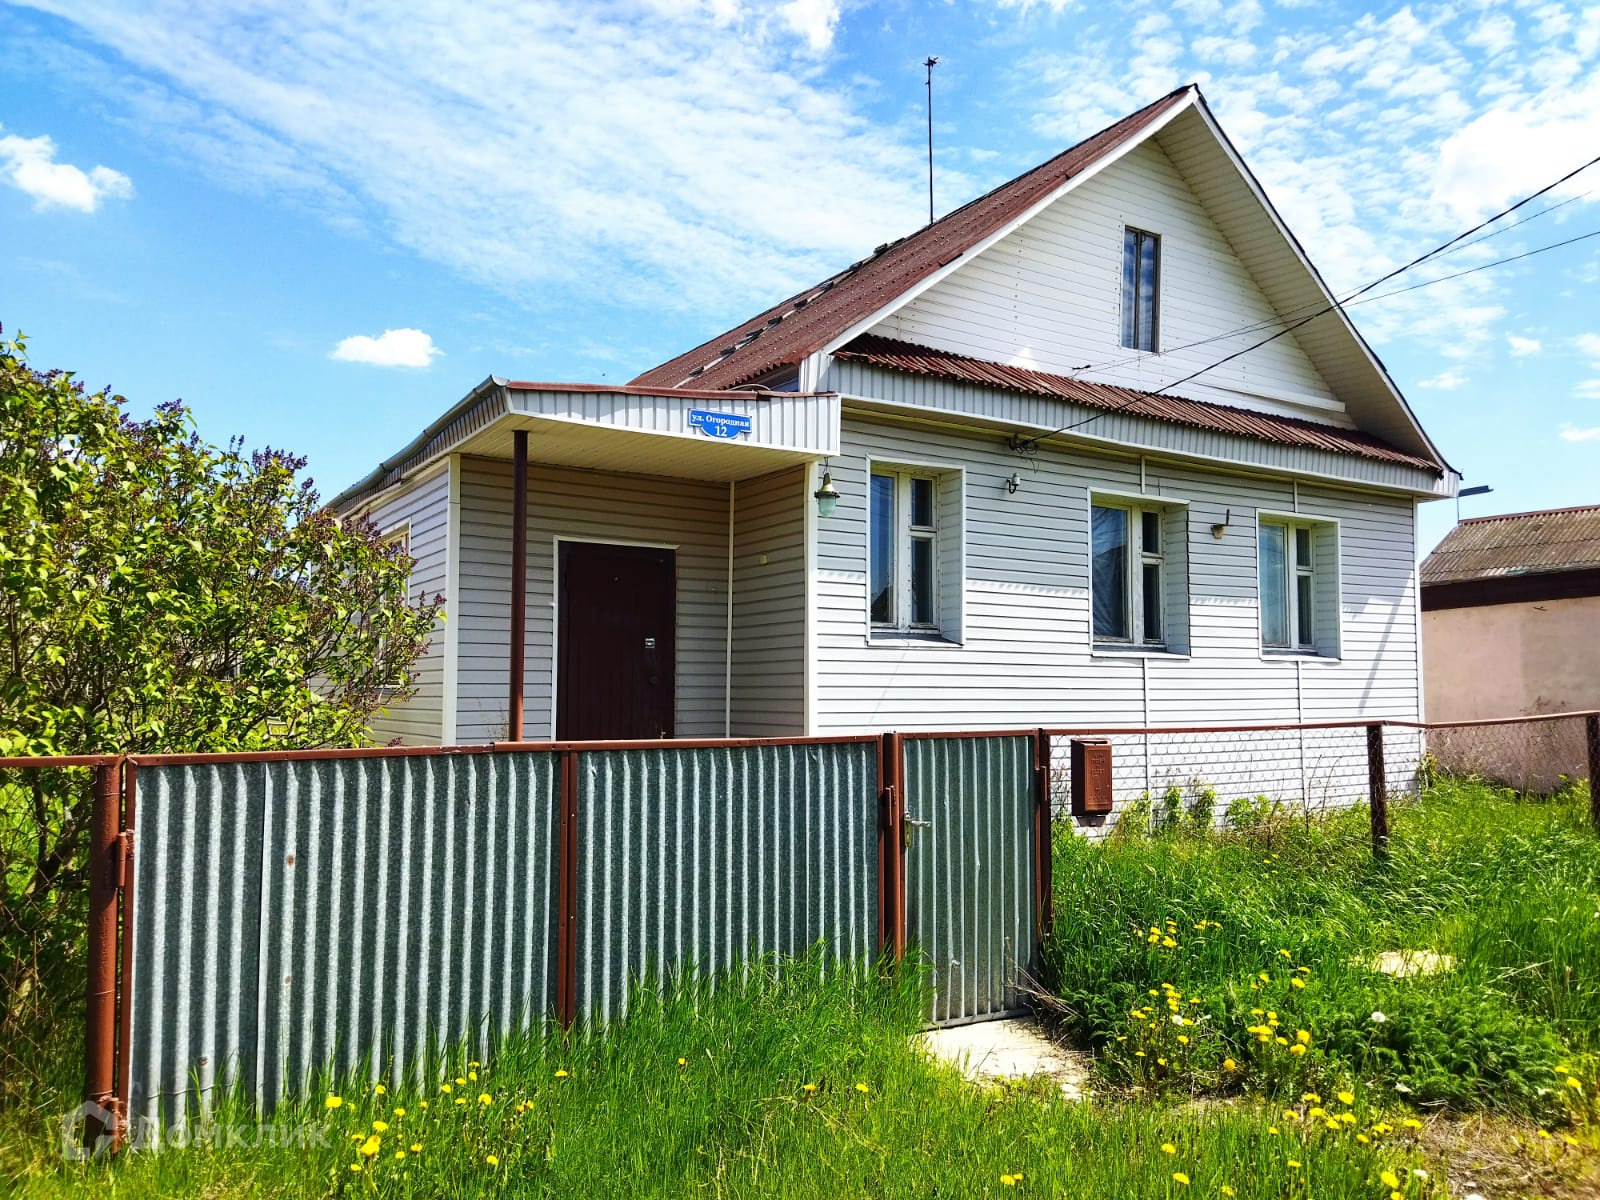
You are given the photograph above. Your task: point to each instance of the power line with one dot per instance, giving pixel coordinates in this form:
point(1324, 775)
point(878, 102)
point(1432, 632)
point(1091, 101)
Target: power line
point(1499, 262)
point(1330, 307)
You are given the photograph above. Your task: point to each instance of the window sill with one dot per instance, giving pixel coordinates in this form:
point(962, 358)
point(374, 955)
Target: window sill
point(1106, 650)
point(909, 637)
point(1298, 656)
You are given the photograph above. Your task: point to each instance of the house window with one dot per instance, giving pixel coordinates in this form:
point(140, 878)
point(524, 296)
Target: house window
point(1298, 562)
point(1141, 270)
point(913, 552)
point(1130, 573)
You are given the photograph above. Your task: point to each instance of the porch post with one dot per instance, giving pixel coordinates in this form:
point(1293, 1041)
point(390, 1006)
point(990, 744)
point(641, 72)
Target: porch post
point(519, 575)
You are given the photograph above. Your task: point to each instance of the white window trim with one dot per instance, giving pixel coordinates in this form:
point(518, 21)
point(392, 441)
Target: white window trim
point(1292, 653)
point(944, 606)
point(1135, 647)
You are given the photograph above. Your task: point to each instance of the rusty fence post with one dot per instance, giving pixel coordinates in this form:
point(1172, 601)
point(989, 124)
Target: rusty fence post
point(100, 1031)
point(1377, 791)
point(1591, 736)
point(894, 879)
point(567, 892)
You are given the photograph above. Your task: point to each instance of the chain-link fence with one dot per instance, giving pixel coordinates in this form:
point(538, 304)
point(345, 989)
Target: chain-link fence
point(1208, 776)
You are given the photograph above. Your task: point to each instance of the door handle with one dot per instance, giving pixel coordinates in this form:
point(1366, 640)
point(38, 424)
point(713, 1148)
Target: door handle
point(909, 823)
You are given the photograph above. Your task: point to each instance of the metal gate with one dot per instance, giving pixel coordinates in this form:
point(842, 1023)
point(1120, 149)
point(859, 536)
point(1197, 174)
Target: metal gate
point(971, 838)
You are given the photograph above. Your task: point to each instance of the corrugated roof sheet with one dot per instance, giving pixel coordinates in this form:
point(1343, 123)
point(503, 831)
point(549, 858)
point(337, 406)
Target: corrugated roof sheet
point(1532, 543)
point(1267, 427)
point(786, 333)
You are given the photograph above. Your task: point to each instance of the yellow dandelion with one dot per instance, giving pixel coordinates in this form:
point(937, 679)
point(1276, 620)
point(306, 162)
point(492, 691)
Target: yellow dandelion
point(1561, 1070)
point(333, 1102)
point(1229, 1065)
point(423, 1104)
point(1347, 1097)
point(1008, 1180)
point(380, 1127)
point(399, 1153)
point(1273, 1130)
point(485, 1098)
point(1319, 1111)
point(1289, 1114)
point(1303, 1036)
point(491, 1160)
point(1296, 981)
point(1574, 1082)
point(371, 1146)
point(356, 1167)
point(416, 1147)
point(1363, 1139)
point(1390, 1179)
point(1228, 1191)
point(809, 1088)
point(1297, 1049)
point(472, 1075)
point(460, 1081)
point(1347, 1118)
point(862, 1088)
point(461, 1100)
point(1544, 1133)
point(399, 1112)
point(1264, 977)
point(561, 1074)
point(683, 1062)
point(1310, 1098)
point(1332, 1123)
point(1294, 1164)
point(1168, 1148)
point(1179, 1178)
point(1168, 943)
point(1412, 1123)
point(445, 1088)
point(378, 1089)
point(1183, 1039)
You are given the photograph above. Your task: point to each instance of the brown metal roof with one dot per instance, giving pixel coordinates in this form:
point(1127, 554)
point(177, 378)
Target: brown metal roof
point(1532, 543)
point(1220, 418)
point(801, 325)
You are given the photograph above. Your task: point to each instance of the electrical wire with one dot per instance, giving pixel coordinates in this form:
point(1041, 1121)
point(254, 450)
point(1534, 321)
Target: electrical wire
point(1335, 304)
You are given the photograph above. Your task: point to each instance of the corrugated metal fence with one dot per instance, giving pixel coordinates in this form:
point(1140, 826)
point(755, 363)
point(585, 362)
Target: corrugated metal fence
point(289, 915)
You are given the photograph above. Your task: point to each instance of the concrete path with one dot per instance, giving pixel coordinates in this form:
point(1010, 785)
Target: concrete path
point(989, 1051)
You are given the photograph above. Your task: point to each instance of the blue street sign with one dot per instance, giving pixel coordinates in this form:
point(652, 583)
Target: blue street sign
point(719, 425)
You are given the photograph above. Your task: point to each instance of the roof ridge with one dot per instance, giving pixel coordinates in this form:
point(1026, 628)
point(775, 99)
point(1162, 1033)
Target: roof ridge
point(1537, 512)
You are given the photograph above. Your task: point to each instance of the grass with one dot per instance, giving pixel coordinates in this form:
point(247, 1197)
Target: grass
point(802, 1081)
point(1285, 918)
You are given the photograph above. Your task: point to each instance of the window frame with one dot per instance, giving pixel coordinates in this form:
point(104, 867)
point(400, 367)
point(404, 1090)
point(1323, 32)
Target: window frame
point(945, 538)
point(1322, 643)
point(1128, 334)
point(1164, 509)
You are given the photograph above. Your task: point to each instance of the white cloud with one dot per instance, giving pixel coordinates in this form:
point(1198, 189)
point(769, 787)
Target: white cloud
point(1588, 345)
point(813, 20)
point(1522, 347)
point(1445, 381)
point(1571, 433)
point(29, 164)
point(395, 348)
point(1588, 389)
point(692, 147)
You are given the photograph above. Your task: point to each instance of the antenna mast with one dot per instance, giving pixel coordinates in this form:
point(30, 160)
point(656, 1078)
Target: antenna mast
point(930, 64)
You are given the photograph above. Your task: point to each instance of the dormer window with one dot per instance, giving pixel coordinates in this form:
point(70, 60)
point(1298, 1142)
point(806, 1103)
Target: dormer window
point(1141, 272)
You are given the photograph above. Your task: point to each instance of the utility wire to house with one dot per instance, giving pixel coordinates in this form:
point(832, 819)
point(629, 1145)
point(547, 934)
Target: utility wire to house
point(1031, 443)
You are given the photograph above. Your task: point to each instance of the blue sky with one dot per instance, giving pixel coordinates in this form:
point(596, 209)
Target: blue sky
point(235, 202)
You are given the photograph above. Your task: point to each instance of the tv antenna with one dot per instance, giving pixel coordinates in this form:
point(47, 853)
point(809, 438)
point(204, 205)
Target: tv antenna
point(930, 64)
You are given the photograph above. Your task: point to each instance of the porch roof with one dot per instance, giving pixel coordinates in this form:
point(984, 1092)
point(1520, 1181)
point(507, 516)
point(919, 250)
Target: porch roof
point(632, 430)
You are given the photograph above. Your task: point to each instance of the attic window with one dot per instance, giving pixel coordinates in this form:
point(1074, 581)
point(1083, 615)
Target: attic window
point(1141, 271)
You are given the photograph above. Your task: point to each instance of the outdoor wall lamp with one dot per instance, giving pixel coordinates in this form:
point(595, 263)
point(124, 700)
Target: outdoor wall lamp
point(826, 496)
point(1221, 527)
point(1013, 483)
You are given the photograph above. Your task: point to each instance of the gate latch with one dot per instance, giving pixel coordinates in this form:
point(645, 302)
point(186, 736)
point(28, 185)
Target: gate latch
point(911, 823)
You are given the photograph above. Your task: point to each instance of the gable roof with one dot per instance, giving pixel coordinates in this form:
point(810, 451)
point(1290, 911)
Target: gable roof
point(1531, 543)
point(798, 327)
point(1268, 427)
point(849, 303)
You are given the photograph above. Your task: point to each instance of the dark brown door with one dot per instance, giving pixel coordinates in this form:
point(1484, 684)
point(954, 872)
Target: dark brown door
point(615, 646)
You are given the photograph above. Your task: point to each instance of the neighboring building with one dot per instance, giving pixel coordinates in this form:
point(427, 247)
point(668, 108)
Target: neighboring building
point(1060, 500)
point(1511, 627)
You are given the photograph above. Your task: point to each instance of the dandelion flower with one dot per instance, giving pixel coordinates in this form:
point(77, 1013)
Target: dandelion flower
point(399, 1112)
point(380, 1127)
point(1168, 1148)
point(1377, 1018)
point(1560, 1070)
point(1347, 1097)
point(1296, 981)
point(1285, 953)
point(1180, 1179)
point(472, 1075)
point(1310, 1098)
point(1008, 1180)
point(1297, 1049)
point(399, 1153)
point(356, 1167)
point(460, 1081)
point(1390, 1179)
point(683, 1062)
point(1544, 1133)
point(561, 1074)
point(862, 1088)
point(809, 1088)
point(491, 1160)
point(416, 1147)
point(485, 1098)
point(1303, 1036)
point(1168, 943)
point(1273, 1130)
point(445, 1088)
point(422, 1104)
point(1574, 1082)
point(1412, 1123)
point(333, 1102)
point(378, 1089)
point(371, 1146)
point(1363, 1139)
point(1183, 1039)
point(1294, 1164)
point(1229, 1065)
point(1228, 1191)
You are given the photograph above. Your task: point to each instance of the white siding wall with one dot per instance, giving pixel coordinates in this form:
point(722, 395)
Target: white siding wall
point(419, 721)
point(769, 605)
point(594, 506)
point(1049, 297)
point(1026, 660)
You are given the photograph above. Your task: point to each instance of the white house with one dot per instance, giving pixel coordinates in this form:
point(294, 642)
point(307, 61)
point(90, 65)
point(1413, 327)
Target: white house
point(1064, 495)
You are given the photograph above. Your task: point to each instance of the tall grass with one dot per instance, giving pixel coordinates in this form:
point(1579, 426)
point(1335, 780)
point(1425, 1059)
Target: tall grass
point(1507, 886)
point(798, 1084)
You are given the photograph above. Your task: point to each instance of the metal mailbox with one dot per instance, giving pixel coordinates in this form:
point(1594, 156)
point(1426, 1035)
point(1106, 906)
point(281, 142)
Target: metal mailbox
point(1091, 776)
